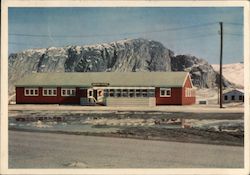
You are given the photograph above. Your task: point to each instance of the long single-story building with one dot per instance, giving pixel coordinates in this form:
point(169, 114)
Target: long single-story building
point(233, 95)
point(107, 88)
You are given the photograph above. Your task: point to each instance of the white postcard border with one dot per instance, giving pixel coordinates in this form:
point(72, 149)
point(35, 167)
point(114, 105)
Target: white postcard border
point(80, 3)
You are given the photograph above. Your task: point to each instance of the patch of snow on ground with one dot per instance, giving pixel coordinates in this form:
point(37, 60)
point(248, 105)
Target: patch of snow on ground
point(77, 164)
point(120, 122)
point(211, 95)
point(217, 125)
point(40, 124)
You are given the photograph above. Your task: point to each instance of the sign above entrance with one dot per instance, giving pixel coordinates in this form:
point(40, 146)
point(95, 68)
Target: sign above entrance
point(100, 84)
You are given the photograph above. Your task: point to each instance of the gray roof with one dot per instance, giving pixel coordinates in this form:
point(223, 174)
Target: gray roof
point(115, 79)
point(233, 90)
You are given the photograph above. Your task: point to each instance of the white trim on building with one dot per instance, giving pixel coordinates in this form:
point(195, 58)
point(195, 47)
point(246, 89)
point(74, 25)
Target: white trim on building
point(49, 91)
point(165, 92)
point(68, 92)
point(31, 92)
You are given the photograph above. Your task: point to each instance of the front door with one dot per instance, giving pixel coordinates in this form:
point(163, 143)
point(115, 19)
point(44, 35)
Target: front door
point(90, 93)
point(100, 95)
point(95, 95)
point(90, 96)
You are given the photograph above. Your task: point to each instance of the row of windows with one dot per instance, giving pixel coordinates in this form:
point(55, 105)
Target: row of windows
point(233, 98)
point(164, 92)
point(50, 92)
point(31, 91)
point(129, 93)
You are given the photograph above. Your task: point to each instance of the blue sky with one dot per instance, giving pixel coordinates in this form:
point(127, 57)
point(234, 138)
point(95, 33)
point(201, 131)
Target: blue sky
point(184, 30)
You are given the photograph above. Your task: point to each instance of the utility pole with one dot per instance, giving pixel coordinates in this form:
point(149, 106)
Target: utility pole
point(221, 55)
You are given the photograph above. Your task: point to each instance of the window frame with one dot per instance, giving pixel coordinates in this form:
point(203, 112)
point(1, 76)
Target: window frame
point(31, 89)
point(189, 92)
point(111, 92)
point(165, 90)
point(240, 97)
point(68, 90)
point(233, 98)
point(52, 90)
point(225, 97)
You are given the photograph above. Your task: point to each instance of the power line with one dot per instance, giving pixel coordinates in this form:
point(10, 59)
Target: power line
point(233, 23)
point(103, 35)
point(181, 39)
point(233, 34)
point(20, 43)
point(198, 36)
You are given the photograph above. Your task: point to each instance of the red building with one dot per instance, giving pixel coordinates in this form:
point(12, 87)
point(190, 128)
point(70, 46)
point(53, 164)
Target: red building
point(107, 88)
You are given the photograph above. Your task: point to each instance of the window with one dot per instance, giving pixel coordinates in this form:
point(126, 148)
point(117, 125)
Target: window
point(63, 92)
point(100, 93)
point(118, 92)
point(31, 91)
point(125, 92)
point(111, 92)
point(225, 98)
point(131, 92)
point(49, 92)
point(144, 93)
point(232, 97)
point(68, 91)
point(165, 92)
point(138, 92)
point(151, 93)
point(240, 97)
point(90, 93)
point(106, 94)
point(189, 92)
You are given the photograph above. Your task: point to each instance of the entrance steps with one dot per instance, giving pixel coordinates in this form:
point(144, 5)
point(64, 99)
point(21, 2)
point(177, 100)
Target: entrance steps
point(90, 102)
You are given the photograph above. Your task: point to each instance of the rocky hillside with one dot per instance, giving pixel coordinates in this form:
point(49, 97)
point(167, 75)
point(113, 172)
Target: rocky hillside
point(124, 55)
point(203, 75)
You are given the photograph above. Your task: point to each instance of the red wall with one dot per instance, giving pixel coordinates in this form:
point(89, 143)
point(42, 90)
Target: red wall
point(187, 100)
point(21, 99)
point(177, 96)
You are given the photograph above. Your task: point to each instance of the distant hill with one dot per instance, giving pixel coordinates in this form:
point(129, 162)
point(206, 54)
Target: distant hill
point(232, 72)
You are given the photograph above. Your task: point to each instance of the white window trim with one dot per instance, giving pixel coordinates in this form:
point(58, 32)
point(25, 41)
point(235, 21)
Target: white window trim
point(189, 92)
point(165, 93)
point(88, 93)
point(29, 89)
point(68, 95)
point(52, 89)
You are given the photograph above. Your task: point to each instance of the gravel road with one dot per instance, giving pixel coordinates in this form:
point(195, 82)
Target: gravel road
point(47, 150)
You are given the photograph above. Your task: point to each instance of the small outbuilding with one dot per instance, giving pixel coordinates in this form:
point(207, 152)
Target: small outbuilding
point(233, 95)
point(107, 88)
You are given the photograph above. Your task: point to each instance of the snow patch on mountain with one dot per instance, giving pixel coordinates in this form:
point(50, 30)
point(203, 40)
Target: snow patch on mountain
point(232, 72)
